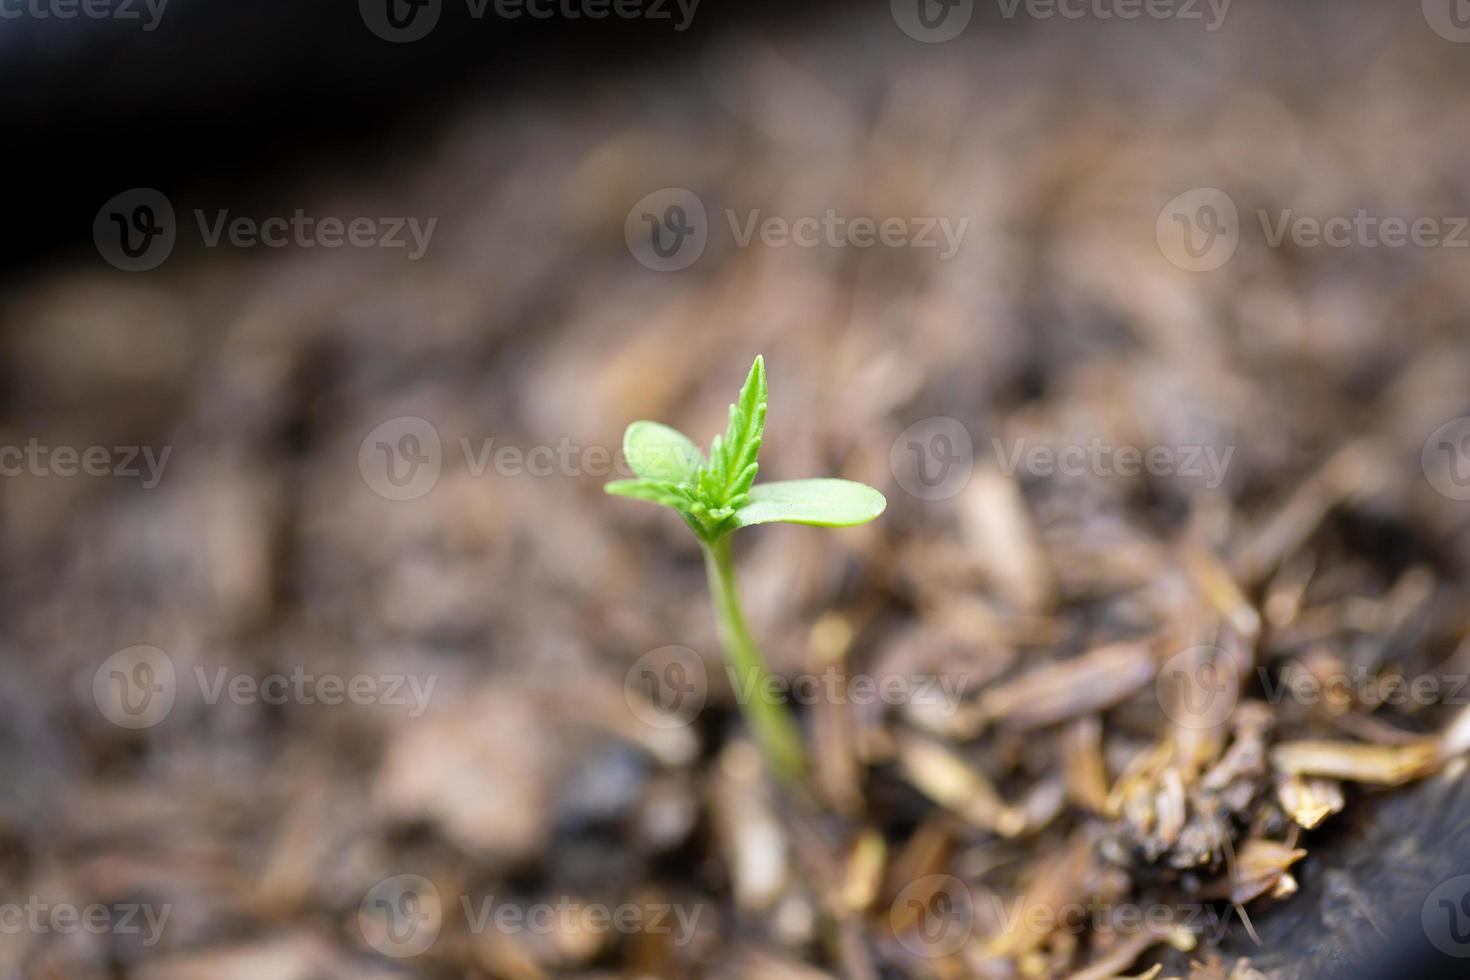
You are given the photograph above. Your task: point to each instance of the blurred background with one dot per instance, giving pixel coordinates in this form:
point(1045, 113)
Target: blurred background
point(320, 328)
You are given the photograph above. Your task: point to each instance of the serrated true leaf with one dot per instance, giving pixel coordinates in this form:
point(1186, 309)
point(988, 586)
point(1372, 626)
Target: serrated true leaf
point(655, 451)
point(826, 503)
point(747, 429)
point(732, 457)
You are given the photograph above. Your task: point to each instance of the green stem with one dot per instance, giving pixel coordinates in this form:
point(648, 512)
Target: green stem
point(768, 719)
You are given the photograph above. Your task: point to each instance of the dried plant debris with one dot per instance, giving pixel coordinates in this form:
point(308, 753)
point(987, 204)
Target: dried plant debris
point(1072, 713)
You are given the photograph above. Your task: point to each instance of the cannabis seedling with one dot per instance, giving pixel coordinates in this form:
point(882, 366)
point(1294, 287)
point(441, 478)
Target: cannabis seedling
point(716, 497)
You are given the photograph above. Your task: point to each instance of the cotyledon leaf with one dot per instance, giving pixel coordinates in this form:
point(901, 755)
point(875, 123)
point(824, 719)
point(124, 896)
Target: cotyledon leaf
point(657, 452)
point(826, 503)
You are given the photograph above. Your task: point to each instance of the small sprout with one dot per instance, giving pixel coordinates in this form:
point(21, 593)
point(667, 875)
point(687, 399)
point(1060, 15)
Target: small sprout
point(717, 495)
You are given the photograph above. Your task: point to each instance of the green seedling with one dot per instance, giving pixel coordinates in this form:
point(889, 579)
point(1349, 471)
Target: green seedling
point(717, 496)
